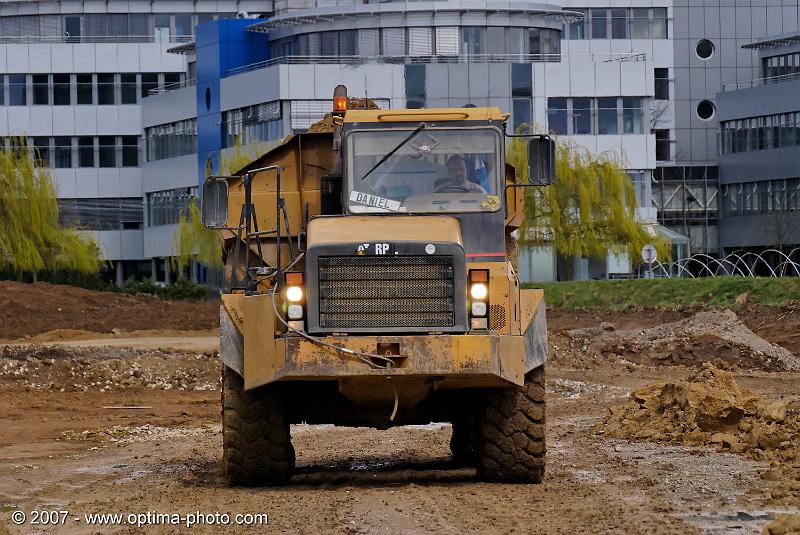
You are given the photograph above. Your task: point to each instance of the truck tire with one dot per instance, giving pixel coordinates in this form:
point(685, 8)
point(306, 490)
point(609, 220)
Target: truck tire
point(511, 442)
point(462, 441)
point(256, 443)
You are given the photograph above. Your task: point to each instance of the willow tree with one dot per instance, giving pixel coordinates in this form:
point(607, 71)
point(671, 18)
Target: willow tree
point(589, 210)
point(31, 236)
point(192, 240)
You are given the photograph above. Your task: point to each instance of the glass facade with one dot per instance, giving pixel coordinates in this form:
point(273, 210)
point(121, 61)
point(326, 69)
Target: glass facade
point(65, 152)
point(594, 116)
point(477, 42)
point(783, 65)
point(103, 27)
point(618, 23)
point(760, 133)
point(260, 122)
point(763, 197)
point(166, 207)
point(91, 89)
point(171, 140)
point(102, 214)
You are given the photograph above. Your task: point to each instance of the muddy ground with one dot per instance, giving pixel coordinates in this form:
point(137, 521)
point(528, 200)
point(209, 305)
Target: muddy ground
point(70, 441)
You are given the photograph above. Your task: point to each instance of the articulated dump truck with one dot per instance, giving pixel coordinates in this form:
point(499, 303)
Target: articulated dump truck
point(371, 280)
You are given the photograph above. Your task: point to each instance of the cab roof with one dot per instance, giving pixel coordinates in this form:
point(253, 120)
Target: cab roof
point(425, 114)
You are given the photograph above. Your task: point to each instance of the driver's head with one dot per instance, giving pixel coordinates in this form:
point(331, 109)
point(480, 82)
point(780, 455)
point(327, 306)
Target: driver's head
point(457, 169)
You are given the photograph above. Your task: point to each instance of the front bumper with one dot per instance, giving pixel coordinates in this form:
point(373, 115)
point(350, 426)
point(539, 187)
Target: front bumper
point(468, 357)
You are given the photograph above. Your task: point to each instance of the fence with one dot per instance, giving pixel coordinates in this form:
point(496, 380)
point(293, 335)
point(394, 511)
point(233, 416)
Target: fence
point(771, 263)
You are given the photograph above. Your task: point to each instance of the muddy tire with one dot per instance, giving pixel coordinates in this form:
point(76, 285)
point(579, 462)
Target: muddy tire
point(256, 444)
point(462, 442)
point(510, 434)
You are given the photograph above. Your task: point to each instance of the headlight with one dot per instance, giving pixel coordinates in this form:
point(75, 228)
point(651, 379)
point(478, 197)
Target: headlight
point(295, 312)
point(294, 294)
point(479, 291)
point(478, 308)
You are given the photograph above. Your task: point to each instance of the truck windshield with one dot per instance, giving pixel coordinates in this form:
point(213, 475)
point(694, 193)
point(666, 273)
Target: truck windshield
point(435, 171)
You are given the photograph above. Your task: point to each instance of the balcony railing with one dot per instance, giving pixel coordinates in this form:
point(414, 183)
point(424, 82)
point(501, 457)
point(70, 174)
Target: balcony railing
point(761, 81)
point(171, 87)
point(407, 60)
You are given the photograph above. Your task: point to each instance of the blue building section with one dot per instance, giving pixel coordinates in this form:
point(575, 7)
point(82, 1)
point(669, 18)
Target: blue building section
point(221, 45)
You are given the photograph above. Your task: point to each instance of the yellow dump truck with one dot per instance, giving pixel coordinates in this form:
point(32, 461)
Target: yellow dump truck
point(370, 280)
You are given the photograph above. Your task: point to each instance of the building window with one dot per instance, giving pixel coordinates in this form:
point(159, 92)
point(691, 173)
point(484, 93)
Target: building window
point(581, 116)
point(415, 86)
point(171, 140)
point(41, 151)
point(619, 23)
point(393, 41)
point(557, 115)
point(662, 145)
point(447, 43)
point(130, 151)
point(17, 92)
point(521, 80)
point(607, 116)
point(763, 197)
point(107, 151)
point(594, 116)
point(705, 109)
point(472, 40)
point(640, 23)
point(62, 152)
point(61, 91)
point(658, 25)
point(522, 115)
point(161, 28)
point(704, 49)
point(127, 88)
point(84, 86)
point(782, 65)
point(85, 151)
point(599, 23)
point(632, 115)
point(577, 29)
point(760, 133)
point(149, 81)
point(41, 90)
point(105, 89)
point(347, 43)
point(661, 80)
point(166, 207)
point(102, 214)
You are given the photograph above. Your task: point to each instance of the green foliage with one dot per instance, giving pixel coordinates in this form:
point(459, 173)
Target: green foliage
point(31, 237)
point(662, 293)
point(192, 240)
point(590, 210)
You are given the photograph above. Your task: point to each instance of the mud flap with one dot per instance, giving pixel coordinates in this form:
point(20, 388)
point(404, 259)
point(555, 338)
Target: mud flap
point(231, 343)
point(534, 328)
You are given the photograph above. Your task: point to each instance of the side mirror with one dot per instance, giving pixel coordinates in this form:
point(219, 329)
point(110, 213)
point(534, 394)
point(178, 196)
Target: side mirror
point(214, 203)
point(541, 161)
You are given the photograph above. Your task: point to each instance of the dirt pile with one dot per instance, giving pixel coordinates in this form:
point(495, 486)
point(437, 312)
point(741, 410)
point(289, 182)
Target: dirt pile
point(712, 335)
point(709, 408)
point(62, 369)
point(31, 309)
point(784, 525)
point(325, 124)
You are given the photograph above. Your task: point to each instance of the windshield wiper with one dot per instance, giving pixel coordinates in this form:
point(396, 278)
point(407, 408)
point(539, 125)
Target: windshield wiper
point(389, 154)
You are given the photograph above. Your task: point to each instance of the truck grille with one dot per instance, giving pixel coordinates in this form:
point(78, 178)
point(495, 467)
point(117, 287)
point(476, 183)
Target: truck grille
point(389, 291)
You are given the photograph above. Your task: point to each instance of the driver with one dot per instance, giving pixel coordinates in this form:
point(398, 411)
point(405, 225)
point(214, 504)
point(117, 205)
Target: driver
point(458, 179)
